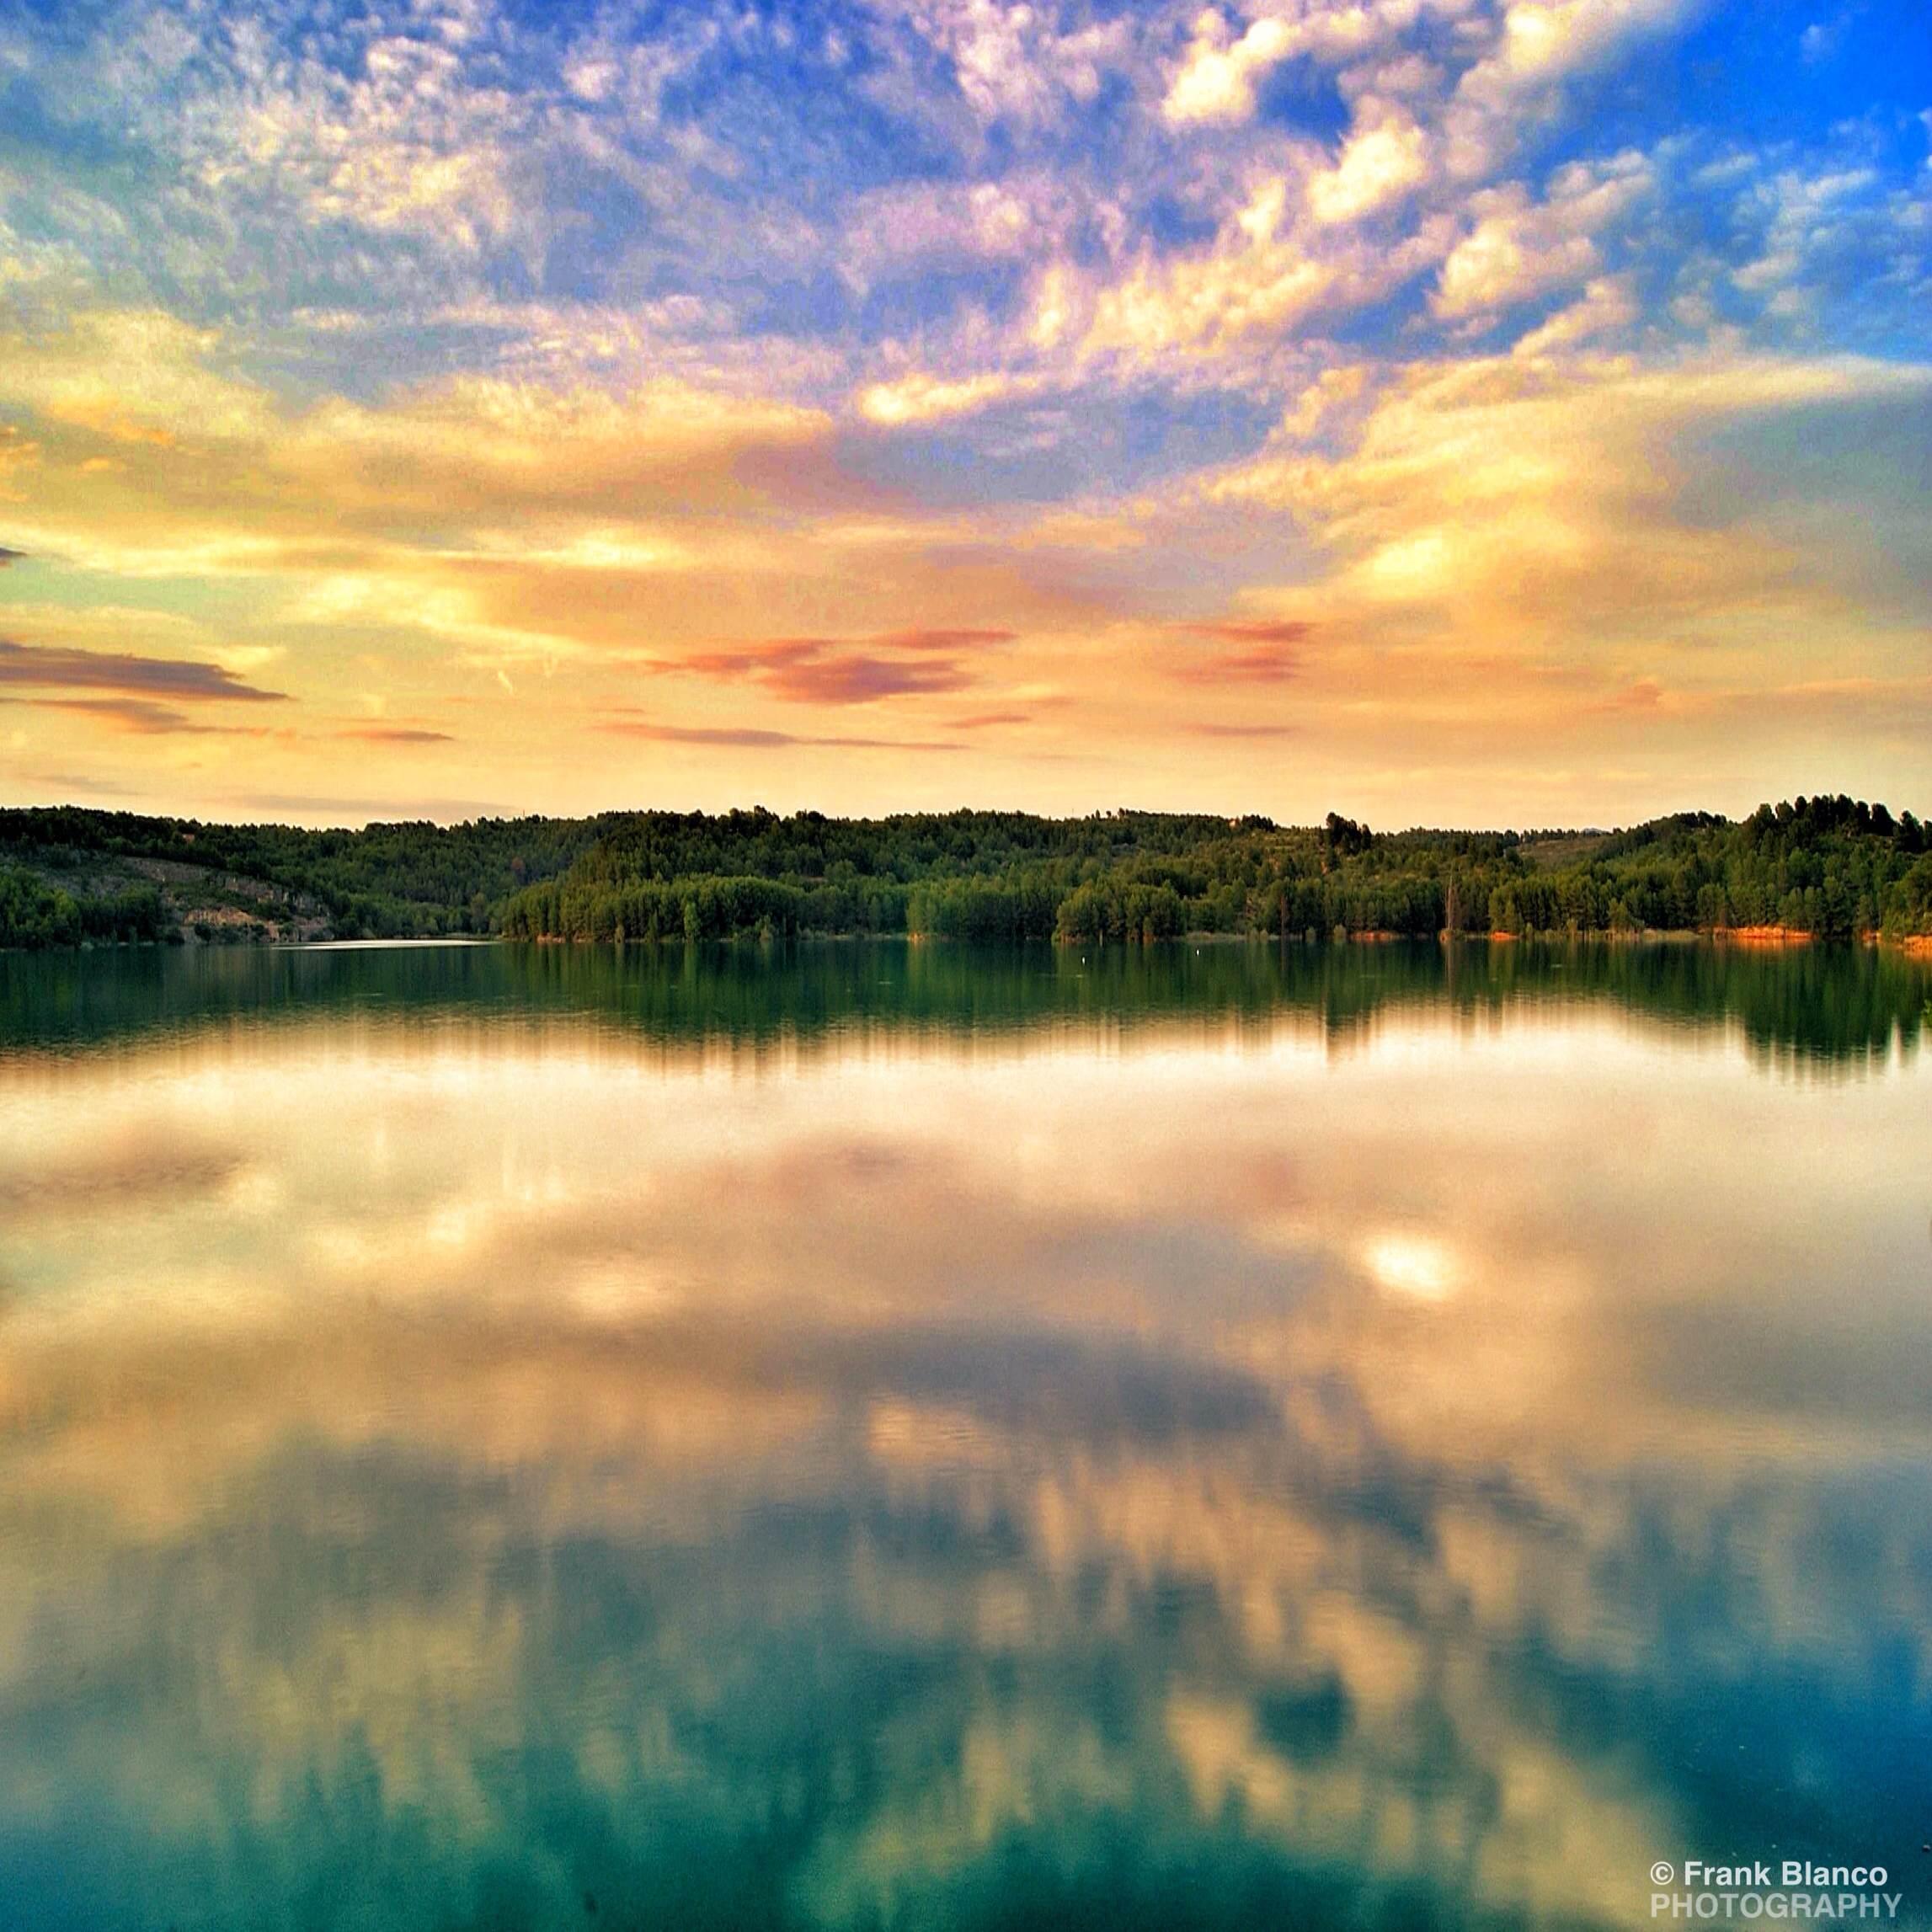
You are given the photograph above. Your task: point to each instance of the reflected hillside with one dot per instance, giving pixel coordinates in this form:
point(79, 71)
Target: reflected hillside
point(1843, 1005)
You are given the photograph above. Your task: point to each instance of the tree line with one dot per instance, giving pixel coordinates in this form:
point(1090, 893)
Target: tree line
point(1828, 865)
point(33, 912)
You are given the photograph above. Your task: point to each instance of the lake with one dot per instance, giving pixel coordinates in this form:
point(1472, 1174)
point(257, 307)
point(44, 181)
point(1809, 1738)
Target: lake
point(890, 1436)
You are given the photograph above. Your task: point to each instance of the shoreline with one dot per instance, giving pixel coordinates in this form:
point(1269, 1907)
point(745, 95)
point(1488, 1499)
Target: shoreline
point(1746, 938)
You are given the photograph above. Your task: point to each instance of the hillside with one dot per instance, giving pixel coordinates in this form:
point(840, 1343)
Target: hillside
point(1829, 866)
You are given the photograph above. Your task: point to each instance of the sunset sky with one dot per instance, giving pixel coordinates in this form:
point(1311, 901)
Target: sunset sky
point(1442, 411)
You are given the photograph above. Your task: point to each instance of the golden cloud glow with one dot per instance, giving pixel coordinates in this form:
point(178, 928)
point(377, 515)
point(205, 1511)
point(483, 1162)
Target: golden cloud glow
point(417, 548)
point(918, 398)
point(486, 371)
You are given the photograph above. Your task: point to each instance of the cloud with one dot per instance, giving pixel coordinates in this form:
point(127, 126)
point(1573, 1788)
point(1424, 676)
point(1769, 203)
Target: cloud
point(405, 146)
point(1377, 167)
point(1250, 285)
point(1253, 630)
point(1507, 259)
point(1544, 40)
point(79, 784)
point(1265, 664)
point(1254, 293)
point(325, 809)
point(835, 670)
point(179, 680)
point(140, 716)
point(907, 225)
point(392, 126)
point(932, 638)
point(1554, 504)
point(749, 738)
point(1607, 306)
point(424, 333)
point(1820, 41)
point(1808, 239)
point(1518, 249)
point(189, 430)
point(1012, 62)
point(394, 734)
point(1265, 653)
point(496, 521)
point(923, 398)
point(1331, 392)
point(1216, 81)
point(857, 678)
point(476, 443)
point(1642, 694)
point(136, 376)
point(1543, 44)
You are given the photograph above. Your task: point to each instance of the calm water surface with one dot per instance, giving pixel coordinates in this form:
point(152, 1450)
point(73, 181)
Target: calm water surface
point(875, 1437)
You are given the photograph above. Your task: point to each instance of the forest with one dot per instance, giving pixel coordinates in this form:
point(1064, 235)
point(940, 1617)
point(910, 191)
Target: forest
point(1830, 867)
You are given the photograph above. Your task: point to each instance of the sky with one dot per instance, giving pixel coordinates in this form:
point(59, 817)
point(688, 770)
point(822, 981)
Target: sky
point(1478, 412)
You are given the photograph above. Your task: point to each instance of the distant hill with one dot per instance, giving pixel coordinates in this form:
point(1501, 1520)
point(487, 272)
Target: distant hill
point(1825, 866)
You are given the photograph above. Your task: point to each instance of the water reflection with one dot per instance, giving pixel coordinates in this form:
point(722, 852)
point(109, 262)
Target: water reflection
point(1827, 1004)
point(465, 1464)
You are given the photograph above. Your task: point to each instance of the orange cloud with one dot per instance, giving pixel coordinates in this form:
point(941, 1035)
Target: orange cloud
point(747, 738)
point(1267, 655)
point(834, 671)
point(941, 640)
point(139, 715)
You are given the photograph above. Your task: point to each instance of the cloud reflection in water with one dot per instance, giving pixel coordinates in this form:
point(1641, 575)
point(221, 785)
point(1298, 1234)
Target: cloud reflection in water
point(451, 1469)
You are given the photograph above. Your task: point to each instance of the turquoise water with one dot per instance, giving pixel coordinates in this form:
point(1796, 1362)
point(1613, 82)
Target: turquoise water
point(867, 1436)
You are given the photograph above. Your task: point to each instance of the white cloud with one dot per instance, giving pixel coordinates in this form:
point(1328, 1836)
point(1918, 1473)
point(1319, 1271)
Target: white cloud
point(924, 398)
point(1012, 62)
point(1820, 41)
point(1520, 249)
point(1378, 166)
point(1607, 305)
point(1508, 256)
point(1217, 81)
point(1209, 301)
point(1547, 40)
point(407, 143)
point(1541, 45)
point(1242, 301)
